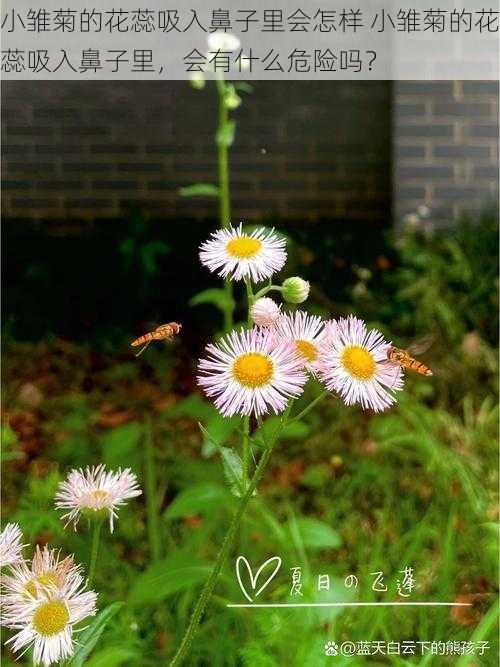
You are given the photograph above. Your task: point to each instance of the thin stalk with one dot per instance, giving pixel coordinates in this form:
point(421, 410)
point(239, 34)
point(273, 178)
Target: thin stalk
point(246, 420)
point(223, 159)
point(250, 300)
point(94, 549)
point(311, 405)
point(246, 450)
point(268, 288)
point(153, 519)
point(224, 192)
point(225, 549)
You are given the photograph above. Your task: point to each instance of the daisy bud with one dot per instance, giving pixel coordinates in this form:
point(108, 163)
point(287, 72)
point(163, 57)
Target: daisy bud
point(265, 312)
point(197, 80)
point(231, 99)
point(295, 290)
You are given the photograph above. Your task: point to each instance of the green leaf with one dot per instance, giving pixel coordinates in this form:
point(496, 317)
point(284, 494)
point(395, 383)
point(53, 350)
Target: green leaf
point(225, 136)
point(91, 635)
point(316, 534)
point(233, 470)
point(197, 499)
point(167, 578)
point(199, 190)
point(121, 443)
point(215, 295)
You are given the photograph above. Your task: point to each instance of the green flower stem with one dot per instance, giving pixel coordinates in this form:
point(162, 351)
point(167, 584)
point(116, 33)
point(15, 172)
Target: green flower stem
point(223, 158)
point(224, 193)
point(153, 519)
point(265, 290)
point(246, 450)
point(227, 544)
point(94, 549)
point(250, 301)
point(311, 405)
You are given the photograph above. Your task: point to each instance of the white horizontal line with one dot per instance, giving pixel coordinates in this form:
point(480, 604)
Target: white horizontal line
point(351, 604)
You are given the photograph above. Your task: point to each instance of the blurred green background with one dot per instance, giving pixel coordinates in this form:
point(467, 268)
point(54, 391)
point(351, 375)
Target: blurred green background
point(348, 492)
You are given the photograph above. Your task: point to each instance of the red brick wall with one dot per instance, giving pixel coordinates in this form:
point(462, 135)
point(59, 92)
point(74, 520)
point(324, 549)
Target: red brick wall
point(303, 151)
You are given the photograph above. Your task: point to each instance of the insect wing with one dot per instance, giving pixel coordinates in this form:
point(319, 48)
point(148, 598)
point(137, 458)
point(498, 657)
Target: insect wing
point(421, 345)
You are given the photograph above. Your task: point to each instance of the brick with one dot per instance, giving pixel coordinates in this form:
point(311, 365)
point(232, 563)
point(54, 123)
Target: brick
point(424, 88)
point(16, 185)
point(481, 88)
point(486, 131)
point(425, 130)
point(409, 109)
point(90, 202)
point(84, 131)
point(38, 168)
point(113, 149)
point(410, 151)
point(168, 149)
point(114, 185)
point(60, 114)
point(140, 167)
point(35, 203)
point(487, 172)
point(87, 167)
point(161, 185)
point(461, 151)
point(15, 149)
point(411, 192)
point(427, 172)
point(462, 109)
point(460, 192)
point(59, 185)
point(57, 149)
point(31, 131)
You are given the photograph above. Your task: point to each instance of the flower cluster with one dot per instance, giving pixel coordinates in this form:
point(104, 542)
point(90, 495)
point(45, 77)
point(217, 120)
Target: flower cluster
point(255, 371)
point(43, 601)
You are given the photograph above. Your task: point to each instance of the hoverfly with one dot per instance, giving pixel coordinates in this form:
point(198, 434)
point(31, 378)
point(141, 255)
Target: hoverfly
point(163, 332)
point(405, 359)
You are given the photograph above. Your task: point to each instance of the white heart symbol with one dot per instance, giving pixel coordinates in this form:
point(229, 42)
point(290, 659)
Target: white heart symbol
point(253, 579)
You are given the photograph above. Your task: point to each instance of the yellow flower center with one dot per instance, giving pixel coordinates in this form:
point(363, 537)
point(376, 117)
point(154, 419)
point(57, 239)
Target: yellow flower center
point(100, 496)
point(358, 362)
point(46, 579)
point(307, 349)
point(253, 369)
point(50, 618)
point(243, 247)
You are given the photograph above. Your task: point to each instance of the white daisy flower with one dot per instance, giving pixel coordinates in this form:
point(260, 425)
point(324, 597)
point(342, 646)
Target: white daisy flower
point(305, 332)
point(47, 570)
point(96, 491)
point(234, 254)
point(265, 312)
point(45, 622)
point(249, 372)
point(10, 545)
point(353, 362)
